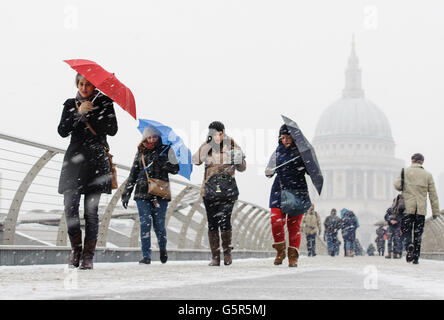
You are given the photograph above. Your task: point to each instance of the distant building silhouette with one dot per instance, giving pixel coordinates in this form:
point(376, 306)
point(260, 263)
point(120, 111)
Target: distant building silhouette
point(356, 151)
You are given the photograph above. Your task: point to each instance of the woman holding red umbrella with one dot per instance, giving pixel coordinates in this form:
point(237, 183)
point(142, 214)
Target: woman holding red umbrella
point(88, 119)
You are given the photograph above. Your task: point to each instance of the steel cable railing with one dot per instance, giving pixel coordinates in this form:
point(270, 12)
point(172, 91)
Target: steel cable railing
point(32, 210)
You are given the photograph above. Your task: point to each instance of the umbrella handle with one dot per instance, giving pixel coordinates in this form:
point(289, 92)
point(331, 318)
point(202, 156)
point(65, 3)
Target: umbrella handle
point(95, 96)
point(284, 163)
point(165, 149)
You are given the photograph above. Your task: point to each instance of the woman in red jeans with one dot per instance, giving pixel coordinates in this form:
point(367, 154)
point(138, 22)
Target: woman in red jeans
point(289, 176)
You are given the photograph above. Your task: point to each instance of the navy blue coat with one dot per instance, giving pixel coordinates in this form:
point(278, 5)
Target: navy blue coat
point(349, 224)
point(288, 177)
point(390, 216)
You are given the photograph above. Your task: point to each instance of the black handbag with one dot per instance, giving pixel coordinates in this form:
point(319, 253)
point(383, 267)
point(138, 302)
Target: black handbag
point(295, 202)
point(221, 186)
point(398, 206)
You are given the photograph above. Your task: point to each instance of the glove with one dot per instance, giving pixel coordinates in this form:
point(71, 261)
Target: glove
point(125, 200)
point(237, 156)
point(85, 107)
point(269, 173)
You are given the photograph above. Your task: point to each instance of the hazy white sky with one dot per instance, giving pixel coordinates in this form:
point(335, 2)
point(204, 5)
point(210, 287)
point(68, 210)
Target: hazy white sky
point(243, 62)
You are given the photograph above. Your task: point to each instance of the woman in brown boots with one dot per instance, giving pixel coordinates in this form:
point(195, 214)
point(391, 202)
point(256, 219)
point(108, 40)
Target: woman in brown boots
point(289, 168)
point(222, 157)
point(86, 169)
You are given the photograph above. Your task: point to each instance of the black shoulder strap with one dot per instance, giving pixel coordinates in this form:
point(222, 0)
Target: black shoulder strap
point(402, 179)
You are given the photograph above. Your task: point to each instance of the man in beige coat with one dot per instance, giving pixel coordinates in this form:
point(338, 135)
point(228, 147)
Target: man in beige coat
point(417, 184)
point(311, 226)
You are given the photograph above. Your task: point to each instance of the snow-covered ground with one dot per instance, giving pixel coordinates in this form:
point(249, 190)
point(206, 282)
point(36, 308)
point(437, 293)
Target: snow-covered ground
point(321, 277)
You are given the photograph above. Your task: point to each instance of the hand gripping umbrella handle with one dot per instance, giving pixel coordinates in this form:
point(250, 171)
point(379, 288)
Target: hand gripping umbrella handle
point(283, 164)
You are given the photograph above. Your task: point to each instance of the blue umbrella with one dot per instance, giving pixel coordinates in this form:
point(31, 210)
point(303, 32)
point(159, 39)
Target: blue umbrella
point(183, 154)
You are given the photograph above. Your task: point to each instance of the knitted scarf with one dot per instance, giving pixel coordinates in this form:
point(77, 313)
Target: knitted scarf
point(82, 99)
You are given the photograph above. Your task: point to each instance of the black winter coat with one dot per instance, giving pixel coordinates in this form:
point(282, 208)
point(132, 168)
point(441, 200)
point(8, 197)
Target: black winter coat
point(332, 224)
point(85, 165)
point(161, 167)
point(389, 215)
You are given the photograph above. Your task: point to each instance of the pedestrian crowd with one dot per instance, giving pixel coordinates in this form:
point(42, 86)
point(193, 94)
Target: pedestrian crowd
point(88, 170)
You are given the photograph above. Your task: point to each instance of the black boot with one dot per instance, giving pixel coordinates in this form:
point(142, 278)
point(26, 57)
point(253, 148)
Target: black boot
point(89, 249)
point(163, 256)
point(145, 261)
point(76, 250)
point(409, 256)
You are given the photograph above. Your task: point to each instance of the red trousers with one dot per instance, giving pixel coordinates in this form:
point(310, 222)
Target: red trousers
point(278, 220)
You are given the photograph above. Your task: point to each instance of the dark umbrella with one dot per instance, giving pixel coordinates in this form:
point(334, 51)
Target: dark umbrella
point(307, 152)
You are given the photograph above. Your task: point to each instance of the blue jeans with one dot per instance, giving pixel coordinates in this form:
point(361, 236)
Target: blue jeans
point(394, 243)
point(349, 244)
point(147, 213)
point(311, 244)
point(332, 243)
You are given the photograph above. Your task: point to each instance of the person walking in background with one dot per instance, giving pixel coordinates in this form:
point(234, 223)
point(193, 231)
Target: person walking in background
point(394, 243)
point(359, 251)
point(380, 240)
point(290, 170)
point(152, 202)
point(371, 250)
point(338, 246)
point(222, 157)
point(349, 224)
point(332, 225)
point(86, 168)
point(417, 184)
point(311, 226)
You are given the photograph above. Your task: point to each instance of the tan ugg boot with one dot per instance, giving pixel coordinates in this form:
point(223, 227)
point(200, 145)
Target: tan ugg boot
point(280, 255)
point(293, 256)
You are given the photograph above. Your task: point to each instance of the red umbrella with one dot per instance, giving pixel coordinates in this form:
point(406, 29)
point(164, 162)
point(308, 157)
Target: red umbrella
point(105, 82)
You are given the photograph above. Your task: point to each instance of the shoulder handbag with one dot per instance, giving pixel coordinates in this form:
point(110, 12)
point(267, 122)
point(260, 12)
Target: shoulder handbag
point(114, 184)
point(398, 206)
point(157, 187)
point(295, 202)
point(221, 186)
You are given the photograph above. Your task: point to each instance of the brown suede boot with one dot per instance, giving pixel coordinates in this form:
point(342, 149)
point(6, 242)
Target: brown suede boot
point(89, 249)
point(293, 256)
point(214, 240)
point(280, 255)
point(226, 246)
point(76, 250)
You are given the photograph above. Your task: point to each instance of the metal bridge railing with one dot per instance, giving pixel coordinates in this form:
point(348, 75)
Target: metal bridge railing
point(31, 210)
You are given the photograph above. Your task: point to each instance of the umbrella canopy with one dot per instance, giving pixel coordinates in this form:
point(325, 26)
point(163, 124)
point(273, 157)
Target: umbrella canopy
point(105, 82)
point(307, 152)
point(169, 137)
